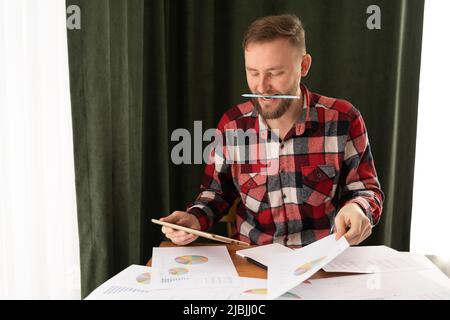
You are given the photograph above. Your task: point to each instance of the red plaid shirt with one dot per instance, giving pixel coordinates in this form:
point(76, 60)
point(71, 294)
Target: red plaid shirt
point(323, 163)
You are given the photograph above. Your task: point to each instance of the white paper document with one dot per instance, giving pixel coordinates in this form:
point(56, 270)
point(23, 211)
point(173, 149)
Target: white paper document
point(264, 254)
point(132, 283)
point(373, 260)
point(193, 267)
point(432, 272)
point(410, 285)
point(256, 289)
point(207, 273)
point(290, 269)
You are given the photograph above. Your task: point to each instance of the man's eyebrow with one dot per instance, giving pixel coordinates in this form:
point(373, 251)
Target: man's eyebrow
point(269, 69)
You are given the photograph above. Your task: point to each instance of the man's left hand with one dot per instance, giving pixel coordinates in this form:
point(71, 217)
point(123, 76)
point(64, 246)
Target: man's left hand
point(352, 223)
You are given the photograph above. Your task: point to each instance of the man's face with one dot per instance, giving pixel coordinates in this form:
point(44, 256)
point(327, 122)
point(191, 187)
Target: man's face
point(274, 67)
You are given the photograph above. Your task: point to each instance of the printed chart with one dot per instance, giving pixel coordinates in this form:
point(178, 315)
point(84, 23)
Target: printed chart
point(193, 267)
point(178, 271)
point(307, 266)
point(144, 278)
point(191, 259)
point(260, 291)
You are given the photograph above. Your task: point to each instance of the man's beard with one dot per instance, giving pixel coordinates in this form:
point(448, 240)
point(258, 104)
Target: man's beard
point(284, 106)
point(280, 110)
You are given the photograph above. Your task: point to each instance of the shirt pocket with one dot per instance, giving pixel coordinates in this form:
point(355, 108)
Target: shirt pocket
point(253, 188)
point(318, 182)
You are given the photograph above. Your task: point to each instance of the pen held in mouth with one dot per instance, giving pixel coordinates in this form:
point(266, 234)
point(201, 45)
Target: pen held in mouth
point(278, 96)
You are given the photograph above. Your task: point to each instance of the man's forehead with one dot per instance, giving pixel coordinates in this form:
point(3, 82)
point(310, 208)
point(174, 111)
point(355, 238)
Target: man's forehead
point(276, 51)
point(269, 61)
point(276, 48)
point(280, 41)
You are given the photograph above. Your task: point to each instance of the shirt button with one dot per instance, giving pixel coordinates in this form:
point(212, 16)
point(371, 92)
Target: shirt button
point(284, 196)
point(282, 146)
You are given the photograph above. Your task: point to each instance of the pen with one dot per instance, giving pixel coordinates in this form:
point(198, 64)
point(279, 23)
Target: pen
point(251, 95)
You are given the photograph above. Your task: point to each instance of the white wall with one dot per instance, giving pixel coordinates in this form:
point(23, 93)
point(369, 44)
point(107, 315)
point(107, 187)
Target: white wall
point(430, 233)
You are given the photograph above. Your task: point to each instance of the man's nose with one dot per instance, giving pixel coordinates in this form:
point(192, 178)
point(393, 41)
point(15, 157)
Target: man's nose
point(264, 85)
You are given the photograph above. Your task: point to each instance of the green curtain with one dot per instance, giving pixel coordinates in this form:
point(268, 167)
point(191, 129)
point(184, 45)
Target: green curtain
point(140, 69)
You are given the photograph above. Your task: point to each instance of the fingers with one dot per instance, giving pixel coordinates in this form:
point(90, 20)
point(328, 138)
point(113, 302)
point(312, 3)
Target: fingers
point(340, 226)
point(181, 241)
point(178, 237)
point(354, 233)
point(176, 217)
point(172, 233)
point(355, 230)
point(183, 219)
point(366, 233)
point(357, 235)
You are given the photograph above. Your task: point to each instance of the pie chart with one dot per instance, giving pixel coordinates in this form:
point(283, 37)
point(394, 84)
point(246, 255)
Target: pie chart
point(178, 271)
point(257, 291)
point(144, 278)
point(307, 266)
point(191, 259)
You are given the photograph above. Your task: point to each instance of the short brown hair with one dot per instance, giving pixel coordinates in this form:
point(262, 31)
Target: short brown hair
point(272, 27)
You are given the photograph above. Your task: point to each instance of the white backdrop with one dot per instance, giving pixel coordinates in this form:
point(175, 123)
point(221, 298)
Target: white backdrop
point(430, 232)
point(39, 252)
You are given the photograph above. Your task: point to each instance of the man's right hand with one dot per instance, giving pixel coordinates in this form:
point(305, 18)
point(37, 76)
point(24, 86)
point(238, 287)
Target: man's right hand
point(181, 218)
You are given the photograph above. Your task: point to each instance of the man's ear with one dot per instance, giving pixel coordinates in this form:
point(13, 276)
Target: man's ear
point(306, 64)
